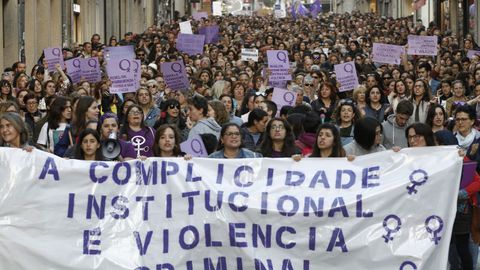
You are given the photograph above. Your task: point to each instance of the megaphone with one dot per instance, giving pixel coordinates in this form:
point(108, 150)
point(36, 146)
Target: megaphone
point(111, 147)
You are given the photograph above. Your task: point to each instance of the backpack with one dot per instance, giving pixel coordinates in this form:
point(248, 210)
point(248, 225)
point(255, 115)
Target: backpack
point(64, 142)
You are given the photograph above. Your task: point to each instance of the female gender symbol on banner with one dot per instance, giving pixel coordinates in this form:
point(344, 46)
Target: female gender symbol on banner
point(196, 145)
point(176, 67)
point(284, 57)
point(436, 231)
point(123, 67)
point(348, 68)
point(137, 142)
point(422, 180)
point(76, 63)
point(289, 100)
point(56, 52)
point(409, 263)
point(92, 62)
point(389, 231)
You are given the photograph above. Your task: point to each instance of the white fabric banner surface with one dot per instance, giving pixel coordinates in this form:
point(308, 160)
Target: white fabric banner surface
point(381, 211)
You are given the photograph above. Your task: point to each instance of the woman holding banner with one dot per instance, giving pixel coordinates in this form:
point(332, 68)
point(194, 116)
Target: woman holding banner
point(167, 141)
point(328, 142)
point(134, 130)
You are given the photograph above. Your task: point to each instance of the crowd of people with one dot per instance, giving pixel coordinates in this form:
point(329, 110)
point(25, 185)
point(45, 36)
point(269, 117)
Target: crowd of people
point(424, 101)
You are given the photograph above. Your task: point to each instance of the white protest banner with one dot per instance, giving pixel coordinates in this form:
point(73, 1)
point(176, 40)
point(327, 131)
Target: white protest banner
point(382, 211)
point(422, 45)
point(387, 54)
point(280, 13)
point(250, 54)
point(217, 8)
point(346, 74)
point(185, 27)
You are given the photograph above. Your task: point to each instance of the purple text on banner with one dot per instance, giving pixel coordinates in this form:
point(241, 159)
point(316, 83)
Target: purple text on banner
point(175, 76)
point(422, 45)
point(472, 53)
point(198, 15)
point(346, 75)
point(194, 147)
point(121, 72)
point(387, 54)
point(127, 52)
point(283, 97)
point(73, 69)
point(469, 170)
point(210, 32)
point(279, 65)
point(91, 69)
point(53, 56)
point(191, 44)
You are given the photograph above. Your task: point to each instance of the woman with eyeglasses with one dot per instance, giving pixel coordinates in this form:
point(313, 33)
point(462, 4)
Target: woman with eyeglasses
point(466, 134)
point(150, 110)
point(140, 135)
point(457, 97)
point(367, 138)
point(375, 108)
point(345, 117)
point(279, 140)
point(421, 98)
point(230, 144)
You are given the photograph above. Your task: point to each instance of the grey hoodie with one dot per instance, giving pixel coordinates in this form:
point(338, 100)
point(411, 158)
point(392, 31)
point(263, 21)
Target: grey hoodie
point(207, 125)
point(393, 135)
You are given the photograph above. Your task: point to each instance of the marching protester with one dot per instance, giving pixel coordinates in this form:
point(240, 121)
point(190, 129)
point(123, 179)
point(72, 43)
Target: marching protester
point(230, 144)
point(88, 147)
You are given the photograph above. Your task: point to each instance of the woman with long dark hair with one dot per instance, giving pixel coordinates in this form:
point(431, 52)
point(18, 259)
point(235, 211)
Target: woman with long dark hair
point(56, 126)
point(86, 110)
point(278, 140)
point(88, 146)
point(367, 138)
point(328, 142)
point(230, 144)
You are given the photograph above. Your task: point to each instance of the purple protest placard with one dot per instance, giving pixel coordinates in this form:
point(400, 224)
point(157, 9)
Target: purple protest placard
point(422, 45)
point(53, 56)
point(191, 44)
point(137, 73)
point(210, 32)
point(175, 76)
point(127, 52)
point(73, 69)
point(91, 69)
point(469, 170)
point(387, 54)
point(472, 53)
point(346, 74)
point(283, 97)
point(279, 65)
point(121, 72)
point(194, 147)
point(199, 15)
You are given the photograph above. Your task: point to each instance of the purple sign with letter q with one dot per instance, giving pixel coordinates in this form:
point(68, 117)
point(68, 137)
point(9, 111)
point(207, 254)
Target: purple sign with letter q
point(194, 147)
